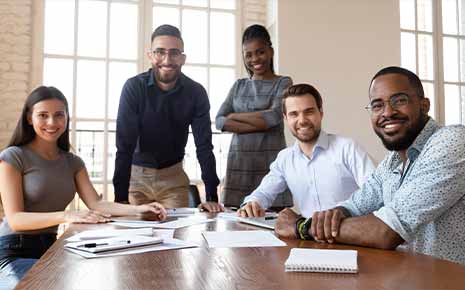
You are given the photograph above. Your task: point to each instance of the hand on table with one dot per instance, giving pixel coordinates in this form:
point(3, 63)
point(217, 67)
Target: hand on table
point(325, 224)
point(153, 208)
point(211, 206)
point(285, 225)
point(251, 209)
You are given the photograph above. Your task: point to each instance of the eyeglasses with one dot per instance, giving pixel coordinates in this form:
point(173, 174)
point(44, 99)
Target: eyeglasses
point(396, 102)
point(161, 53)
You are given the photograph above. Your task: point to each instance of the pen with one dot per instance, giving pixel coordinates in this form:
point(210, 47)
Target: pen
point(270, 218)
point(94, 245)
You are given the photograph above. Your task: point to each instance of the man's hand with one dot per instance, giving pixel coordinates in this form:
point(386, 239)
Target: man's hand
point(211, 206)
point(325, 224)
point(285, 225)
point(251, 209)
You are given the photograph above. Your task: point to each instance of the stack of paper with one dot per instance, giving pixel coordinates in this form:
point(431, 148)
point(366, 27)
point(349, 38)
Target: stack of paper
point(115, 242)
point(232, 239)
point(109, 233)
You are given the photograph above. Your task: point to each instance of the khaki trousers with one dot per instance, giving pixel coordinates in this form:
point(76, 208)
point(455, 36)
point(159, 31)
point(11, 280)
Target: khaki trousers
point(168, 186)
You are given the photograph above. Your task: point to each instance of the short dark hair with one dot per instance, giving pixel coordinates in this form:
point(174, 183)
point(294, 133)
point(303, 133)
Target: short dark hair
point(24, 132)
point(412, 78)
point(257, 31)
point(299, 90)
point(166, 29)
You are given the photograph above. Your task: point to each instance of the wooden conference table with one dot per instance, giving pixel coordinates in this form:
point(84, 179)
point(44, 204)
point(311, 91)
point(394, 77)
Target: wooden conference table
point(233, 268)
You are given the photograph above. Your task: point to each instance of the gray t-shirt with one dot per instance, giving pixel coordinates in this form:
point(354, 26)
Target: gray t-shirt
point(48, 185)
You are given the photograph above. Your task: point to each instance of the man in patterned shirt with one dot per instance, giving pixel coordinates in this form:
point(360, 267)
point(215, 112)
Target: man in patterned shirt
point(416, 195)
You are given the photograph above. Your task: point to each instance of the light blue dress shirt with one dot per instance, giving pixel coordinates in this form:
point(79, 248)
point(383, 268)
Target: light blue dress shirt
point(425, 204)
point(338, 166)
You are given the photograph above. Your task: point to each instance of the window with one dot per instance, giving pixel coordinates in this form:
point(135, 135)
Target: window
point(417, 55)
point(91, 47)
point(432, 40)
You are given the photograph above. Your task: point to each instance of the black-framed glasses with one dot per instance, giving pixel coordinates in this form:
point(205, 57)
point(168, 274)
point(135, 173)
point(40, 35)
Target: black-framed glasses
point(396, 102)
point(161, 53)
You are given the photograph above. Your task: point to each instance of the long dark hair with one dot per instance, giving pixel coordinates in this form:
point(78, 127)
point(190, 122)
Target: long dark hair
point(257, 31)
point(24, 132)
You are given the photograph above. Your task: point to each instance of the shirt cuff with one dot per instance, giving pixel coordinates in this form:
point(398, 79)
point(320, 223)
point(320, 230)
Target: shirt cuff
point(350, 207)
point(219, 122)
point(390, 218)
point(211, 193)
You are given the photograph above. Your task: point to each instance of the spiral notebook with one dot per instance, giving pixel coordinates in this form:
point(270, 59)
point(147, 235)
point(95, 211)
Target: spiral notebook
point(318, 260)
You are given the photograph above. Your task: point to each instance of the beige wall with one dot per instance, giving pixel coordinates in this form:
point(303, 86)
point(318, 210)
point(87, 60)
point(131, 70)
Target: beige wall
point(338, 46)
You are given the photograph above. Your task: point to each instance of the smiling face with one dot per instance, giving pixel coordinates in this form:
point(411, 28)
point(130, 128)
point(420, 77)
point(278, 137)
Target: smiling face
point(167, 68)
point(258, 57)
point(49, 119)
point(303, 118)
point(398, 128)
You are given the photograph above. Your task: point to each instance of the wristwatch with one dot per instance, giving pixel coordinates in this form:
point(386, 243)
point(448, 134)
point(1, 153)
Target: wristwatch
point(298, 226)
point(305, 229)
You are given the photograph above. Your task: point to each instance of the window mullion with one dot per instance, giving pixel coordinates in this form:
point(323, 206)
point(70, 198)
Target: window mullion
point(439, 63)
point(105, 121)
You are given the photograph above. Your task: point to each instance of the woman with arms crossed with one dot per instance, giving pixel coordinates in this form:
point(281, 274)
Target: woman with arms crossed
point(252, 111)
point(38, 179)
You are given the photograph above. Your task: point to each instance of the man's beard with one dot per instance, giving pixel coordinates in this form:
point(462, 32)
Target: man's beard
point(166, 79)
point(405, 141)
point(311, 139)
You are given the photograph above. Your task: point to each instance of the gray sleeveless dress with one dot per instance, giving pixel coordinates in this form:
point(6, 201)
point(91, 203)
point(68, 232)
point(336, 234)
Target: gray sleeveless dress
point(251, 154)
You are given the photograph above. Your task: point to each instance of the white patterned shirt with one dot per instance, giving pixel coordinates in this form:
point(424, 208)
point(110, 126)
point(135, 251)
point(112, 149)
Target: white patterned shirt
point(425, 204)
point(338, 166)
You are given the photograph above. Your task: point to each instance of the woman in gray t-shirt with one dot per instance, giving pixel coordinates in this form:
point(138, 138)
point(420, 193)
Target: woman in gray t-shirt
point(38, 179)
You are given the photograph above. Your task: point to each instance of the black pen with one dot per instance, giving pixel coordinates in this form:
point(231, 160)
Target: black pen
point(270, 218)
point(94, 245)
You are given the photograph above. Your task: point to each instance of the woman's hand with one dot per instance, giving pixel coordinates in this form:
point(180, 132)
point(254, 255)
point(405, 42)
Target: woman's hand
point(153, 208)
point(86, 217)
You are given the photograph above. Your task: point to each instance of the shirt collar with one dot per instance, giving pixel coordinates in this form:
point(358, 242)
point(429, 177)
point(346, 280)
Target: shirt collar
point(151, 80)
point(417, 146)
point(321, 143)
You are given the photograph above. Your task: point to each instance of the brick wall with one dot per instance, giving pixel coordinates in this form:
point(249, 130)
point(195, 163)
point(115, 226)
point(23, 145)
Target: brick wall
point(15, 61)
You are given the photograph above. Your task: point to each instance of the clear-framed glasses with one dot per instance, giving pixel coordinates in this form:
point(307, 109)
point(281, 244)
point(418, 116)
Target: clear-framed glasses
point(161, 53)
point(396, 102)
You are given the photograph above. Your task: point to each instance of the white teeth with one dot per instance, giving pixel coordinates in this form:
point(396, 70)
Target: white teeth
point(388, 126)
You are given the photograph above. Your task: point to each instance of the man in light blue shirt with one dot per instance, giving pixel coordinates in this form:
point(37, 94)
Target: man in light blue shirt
point(416, 197)
point(320, 170)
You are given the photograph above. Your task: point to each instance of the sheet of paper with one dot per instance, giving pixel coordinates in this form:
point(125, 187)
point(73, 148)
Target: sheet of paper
point(170, 244)
point(233, 215)
point(238, 239)
point(166, 234)
point(134, 223)
point(108, 233)
point(181, 211)
point(183, 222)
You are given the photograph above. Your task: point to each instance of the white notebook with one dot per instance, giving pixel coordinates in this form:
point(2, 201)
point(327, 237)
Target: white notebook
point(318, 260)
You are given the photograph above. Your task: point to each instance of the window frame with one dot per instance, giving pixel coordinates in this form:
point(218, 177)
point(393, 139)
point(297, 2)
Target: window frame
point(144, 32)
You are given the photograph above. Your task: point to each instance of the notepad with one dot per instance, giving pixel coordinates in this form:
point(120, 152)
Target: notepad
point(318, 260)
